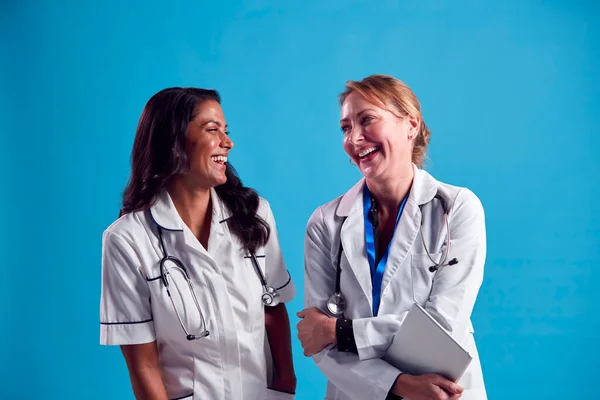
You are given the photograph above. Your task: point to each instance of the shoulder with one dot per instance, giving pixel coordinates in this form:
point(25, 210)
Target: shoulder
point(324, 219)
point(128, 228)
point(265, 212)
point(264, 207)
point(461, 201)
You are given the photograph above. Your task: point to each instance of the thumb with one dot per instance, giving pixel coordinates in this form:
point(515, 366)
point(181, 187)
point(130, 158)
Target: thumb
point(448, 385)
point(301, 314)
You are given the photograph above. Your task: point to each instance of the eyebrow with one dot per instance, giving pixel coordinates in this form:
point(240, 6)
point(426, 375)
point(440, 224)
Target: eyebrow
point(357, 114)
point(213, 122)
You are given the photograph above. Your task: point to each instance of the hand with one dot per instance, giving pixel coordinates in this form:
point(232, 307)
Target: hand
point(315, 331)
point(426, 387)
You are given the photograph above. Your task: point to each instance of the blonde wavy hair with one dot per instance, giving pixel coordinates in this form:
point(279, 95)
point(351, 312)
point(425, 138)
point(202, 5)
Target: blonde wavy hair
point(396, 97)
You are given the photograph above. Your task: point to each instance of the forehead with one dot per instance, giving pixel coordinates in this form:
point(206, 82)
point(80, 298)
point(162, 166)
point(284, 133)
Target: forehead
point(209, 109)
point(355, 103)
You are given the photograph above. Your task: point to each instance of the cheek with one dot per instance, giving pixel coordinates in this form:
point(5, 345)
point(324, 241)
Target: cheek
point(347, 146)
point(376, 132)
point(201, 147)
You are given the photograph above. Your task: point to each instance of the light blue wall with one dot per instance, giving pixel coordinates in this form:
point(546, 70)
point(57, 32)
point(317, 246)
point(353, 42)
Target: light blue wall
point(510, 90)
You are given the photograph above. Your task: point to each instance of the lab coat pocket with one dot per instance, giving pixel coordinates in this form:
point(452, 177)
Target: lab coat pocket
point(421, 276)
point(277, 395)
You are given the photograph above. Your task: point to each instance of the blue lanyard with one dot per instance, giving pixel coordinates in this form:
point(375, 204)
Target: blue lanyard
point(376, 270)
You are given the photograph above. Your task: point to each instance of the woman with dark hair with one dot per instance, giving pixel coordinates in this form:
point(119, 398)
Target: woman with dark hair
point(193, 279)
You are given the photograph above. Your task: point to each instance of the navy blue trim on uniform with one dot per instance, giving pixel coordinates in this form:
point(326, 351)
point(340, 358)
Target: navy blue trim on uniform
point(280, 391)
point(153, 279)
point(257, 256)
point(166, 229)
point(225, 220)
point(184, 397)
point(126, 323)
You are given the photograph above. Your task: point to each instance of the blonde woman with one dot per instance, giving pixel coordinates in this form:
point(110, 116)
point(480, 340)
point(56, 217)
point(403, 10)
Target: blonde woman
point(399, 236)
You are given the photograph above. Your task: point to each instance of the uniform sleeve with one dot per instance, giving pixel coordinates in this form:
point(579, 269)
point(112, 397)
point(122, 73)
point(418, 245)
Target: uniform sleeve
point(125, 312)
point(277, 274)
point(359, 379)
point(455, 287)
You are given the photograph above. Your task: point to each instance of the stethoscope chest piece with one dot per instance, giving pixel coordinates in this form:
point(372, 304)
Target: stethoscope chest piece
point(336, 304)
point(270, 296)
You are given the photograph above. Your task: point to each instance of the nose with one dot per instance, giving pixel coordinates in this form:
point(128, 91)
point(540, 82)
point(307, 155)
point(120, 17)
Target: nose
point(356, 135)
point(226, 141)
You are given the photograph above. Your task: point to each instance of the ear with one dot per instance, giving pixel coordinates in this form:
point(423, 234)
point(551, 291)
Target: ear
point(414, 126)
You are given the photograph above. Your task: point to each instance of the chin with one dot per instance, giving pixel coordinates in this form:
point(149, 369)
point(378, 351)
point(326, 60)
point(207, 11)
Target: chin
point(372, 173)
point(221, 180)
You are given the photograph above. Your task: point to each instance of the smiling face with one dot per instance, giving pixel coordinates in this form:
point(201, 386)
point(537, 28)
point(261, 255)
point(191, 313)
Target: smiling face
point(207, 146)
point(379, 141)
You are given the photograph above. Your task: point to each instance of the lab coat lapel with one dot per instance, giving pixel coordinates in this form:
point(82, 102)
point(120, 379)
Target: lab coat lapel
point(217, 231)
point(422, 191)
point(353, 239)
point(220, 215)
point(404, 237)
point(175, 231)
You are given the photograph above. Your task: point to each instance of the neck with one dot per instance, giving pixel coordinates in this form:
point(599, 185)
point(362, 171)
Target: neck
point(389, 193)
point(192, 205)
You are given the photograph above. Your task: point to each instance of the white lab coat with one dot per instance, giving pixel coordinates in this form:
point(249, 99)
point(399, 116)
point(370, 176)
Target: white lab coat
point(231, 363)
point(448, 294)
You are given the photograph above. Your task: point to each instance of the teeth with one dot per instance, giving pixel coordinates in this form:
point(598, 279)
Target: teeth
point(367, 151)
point(219, 158)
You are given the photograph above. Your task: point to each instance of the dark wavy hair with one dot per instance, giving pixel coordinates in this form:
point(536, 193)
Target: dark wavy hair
point(159, 155)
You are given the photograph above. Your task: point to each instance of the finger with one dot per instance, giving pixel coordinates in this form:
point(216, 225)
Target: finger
point(439, 393)
point(448, 385)
point(455, 397)
point(301, 314)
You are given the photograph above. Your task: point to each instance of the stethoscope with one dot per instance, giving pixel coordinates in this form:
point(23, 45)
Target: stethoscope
point(336, 304)
point(270, 296)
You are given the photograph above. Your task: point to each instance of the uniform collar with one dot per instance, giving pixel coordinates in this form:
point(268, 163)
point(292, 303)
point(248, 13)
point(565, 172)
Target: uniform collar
point(423, 190)
point(166, 216)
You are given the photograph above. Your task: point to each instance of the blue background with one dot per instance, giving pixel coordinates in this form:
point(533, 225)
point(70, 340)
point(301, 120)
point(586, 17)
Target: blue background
point(511, 91)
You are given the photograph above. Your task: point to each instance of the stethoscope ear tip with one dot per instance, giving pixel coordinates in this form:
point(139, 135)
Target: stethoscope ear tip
point(194, 337)
point(434, 268)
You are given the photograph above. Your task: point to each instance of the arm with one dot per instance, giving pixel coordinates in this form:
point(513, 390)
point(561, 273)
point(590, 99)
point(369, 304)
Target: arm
point(368, 379)
point(126, 316)
point(144, 371)
point(454, 290)
point(277, 325)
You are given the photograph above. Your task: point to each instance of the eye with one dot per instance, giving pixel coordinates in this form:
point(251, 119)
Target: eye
point(227, 132)
point(345, 128)
point(366, 119)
